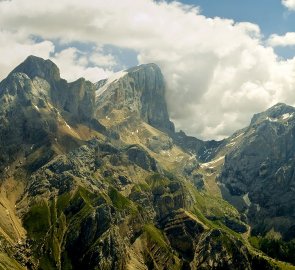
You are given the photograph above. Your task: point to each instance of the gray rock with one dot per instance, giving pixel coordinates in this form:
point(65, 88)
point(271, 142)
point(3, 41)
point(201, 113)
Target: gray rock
point(262, 166)
point(142, 91)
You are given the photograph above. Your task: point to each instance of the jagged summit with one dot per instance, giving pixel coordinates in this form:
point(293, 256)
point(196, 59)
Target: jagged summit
point(151, 66)
point(35, 66)
point(142, 90)
point(277, 113)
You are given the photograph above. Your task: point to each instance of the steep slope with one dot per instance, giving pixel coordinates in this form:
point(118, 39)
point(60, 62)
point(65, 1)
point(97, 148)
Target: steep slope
point(141, 91)
point(36, 124)
point(261, 168)
point(258, 177)
point(203, 150)
point(93, 179)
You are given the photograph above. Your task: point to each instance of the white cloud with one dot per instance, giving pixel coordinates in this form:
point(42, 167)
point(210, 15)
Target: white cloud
point(98, 57)
point(218, 72)
point(15, 47)
point(73, 65)
point(282, 41)
point(290, 4)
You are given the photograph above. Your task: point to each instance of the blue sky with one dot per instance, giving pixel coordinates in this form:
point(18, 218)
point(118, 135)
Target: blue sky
point(271, 16)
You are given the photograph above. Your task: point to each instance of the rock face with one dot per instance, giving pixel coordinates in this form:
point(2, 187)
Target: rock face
point(76, 98)
point(140, 90)
point(76, 194)
point(261, 169)
point(40, 105)
point(37, 67)
point(204, 150)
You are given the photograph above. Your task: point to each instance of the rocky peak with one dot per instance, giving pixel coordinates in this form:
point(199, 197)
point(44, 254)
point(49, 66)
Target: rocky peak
point(277, 113)
point(35, 66)
point(142, 90)
point(259, 170)
point(150, 80)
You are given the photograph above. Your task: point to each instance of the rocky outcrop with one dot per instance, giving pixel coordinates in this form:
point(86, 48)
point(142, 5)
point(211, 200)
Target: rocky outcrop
point(183, 230)
point(204, 150)
point(40, 105)
point(76, 98)
point(260, 170)
point(141, 90)
point(141, 158)
point(38, 67)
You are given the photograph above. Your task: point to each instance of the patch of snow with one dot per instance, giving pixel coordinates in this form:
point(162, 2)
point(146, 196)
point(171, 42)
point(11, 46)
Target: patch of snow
point(211, 163)
point(258, 208)
point(207, 152)
point(246, 199)
point(68, 126)
point(115, 77)
point(272, 119)
point(287, 116)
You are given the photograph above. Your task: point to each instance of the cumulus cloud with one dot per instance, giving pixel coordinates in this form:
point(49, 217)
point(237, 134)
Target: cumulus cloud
point(74, 65)
point(290, 4)
point(282, 41)
point(218, 72)
point(16, 46)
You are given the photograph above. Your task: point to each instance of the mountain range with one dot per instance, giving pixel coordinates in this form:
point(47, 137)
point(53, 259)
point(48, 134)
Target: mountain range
point(95, 176)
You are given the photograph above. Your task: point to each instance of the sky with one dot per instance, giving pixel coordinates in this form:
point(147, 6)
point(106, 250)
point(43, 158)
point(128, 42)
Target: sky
point(223, 60)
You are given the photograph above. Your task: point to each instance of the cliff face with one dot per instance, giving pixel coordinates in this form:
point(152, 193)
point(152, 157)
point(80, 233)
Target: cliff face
point(76, 98)
point(93, 177)
point(261, 168)
point(140, 90)
point(37, 108)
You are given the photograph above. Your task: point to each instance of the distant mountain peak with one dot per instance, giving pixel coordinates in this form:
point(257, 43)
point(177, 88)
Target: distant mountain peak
point(35, 66)
point(150, 66)
point(278, 112)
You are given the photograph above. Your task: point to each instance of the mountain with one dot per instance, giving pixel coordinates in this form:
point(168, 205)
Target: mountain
point(141, 91)
point(254, 171)
point(261, 167)
point(94, 176)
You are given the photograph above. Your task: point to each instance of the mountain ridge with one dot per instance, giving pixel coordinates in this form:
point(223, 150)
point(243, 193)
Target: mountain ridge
point(104, 182)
